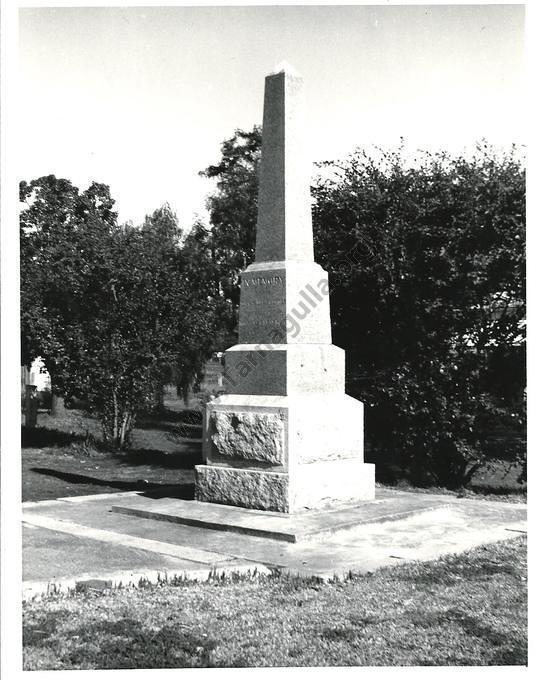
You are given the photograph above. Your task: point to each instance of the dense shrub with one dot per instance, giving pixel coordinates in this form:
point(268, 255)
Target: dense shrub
point(427, 271)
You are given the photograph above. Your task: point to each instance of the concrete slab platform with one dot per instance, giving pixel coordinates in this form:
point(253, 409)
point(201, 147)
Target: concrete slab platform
point(68, 542)
point(122, 540)
point(278, 525)
point(54, 556)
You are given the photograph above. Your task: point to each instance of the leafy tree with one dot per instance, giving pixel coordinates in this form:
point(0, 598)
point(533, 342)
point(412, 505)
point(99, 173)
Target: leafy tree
point(53, 217)
point(110, 308)
point(220, 253)
point(427, 271)
point(233, 208)
point(214, 312)
point(125, 334)
point(148, 317)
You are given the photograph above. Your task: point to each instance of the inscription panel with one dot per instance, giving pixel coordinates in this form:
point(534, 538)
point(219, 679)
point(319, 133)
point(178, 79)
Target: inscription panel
point(263, 307)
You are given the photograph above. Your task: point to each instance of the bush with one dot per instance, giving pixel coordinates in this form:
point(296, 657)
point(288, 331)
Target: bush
point(426, 265)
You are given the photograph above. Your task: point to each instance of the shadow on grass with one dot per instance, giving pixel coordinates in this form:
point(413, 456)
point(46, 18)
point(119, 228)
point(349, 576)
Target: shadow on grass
point(488, 490)
point(471, 625)
point(185, 424)
point(124, 643)
point(508, 649)
point(42, 437)
point(184, 492)
point(190, 455)
point(173, 429)
point(152, 489)
point(401, 478)
point(448, 574)
point(504, 647)
point(171, 419)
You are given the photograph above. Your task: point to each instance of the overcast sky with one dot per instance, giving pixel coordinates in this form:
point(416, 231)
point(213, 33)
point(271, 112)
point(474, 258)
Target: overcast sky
point(141, 98)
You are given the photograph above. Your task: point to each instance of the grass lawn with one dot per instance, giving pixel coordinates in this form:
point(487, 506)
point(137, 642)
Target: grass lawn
point(62, 456)
point(468, 609)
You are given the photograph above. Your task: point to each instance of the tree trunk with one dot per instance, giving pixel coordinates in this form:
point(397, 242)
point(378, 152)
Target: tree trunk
point(183, 391)
point(158, 397)
point(58, 408)
point(122, 433)
point(114, 434)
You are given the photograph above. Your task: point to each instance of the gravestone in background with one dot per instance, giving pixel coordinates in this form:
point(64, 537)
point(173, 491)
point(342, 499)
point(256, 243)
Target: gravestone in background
point(285, 436)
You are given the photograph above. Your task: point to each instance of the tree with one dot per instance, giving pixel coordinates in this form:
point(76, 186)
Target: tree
point(233, 208)
point(110, 308)
point(427, 275)
point(220, 253)
point(213, 315)
point(145, 314)
point(125, 335)
point(53, 217)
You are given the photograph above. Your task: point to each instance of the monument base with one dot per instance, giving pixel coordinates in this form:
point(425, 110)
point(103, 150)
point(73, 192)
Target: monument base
point(284, 453)
point(309, 486)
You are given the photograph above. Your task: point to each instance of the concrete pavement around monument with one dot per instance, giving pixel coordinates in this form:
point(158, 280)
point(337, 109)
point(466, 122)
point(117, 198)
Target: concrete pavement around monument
point(81, 540)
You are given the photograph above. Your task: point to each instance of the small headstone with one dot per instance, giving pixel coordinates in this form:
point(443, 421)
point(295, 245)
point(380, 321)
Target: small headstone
point(31, 406)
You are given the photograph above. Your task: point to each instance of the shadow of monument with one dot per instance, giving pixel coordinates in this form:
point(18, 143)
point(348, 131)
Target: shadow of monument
point(151, 489)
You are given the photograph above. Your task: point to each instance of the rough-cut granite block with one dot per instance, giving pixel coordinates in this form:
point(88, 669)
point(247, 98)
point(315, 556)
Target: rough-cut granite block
point(249, 435)
point(245, 488)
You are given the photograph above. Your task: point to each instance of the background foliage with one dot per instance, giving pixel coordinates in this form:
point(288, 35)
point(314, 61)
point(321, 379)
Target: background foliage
point(426, 259)
point(115, 311)
point(427, 270)
point(426, 262)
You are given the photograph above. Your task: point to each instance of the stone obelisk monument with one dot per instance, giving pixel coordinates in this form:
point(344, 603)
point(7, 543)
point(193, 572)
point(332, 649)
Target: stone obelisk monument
point(285, 437)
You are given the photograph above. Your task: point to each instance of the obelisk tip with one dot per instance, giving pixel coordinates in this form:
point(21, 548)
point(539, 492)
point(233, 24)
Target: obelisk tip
point(284, 67)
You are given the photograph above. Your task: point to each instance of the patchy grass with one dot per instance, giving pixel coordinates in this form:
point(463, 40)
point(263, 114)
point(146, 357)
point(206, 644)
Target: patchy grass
point(502, 493)
point(497, 479)
point(468, 609)
point(63, 456)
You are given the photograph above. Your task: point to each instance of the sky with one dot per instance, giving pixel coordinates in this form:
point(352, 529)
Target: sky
point(140, 98)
